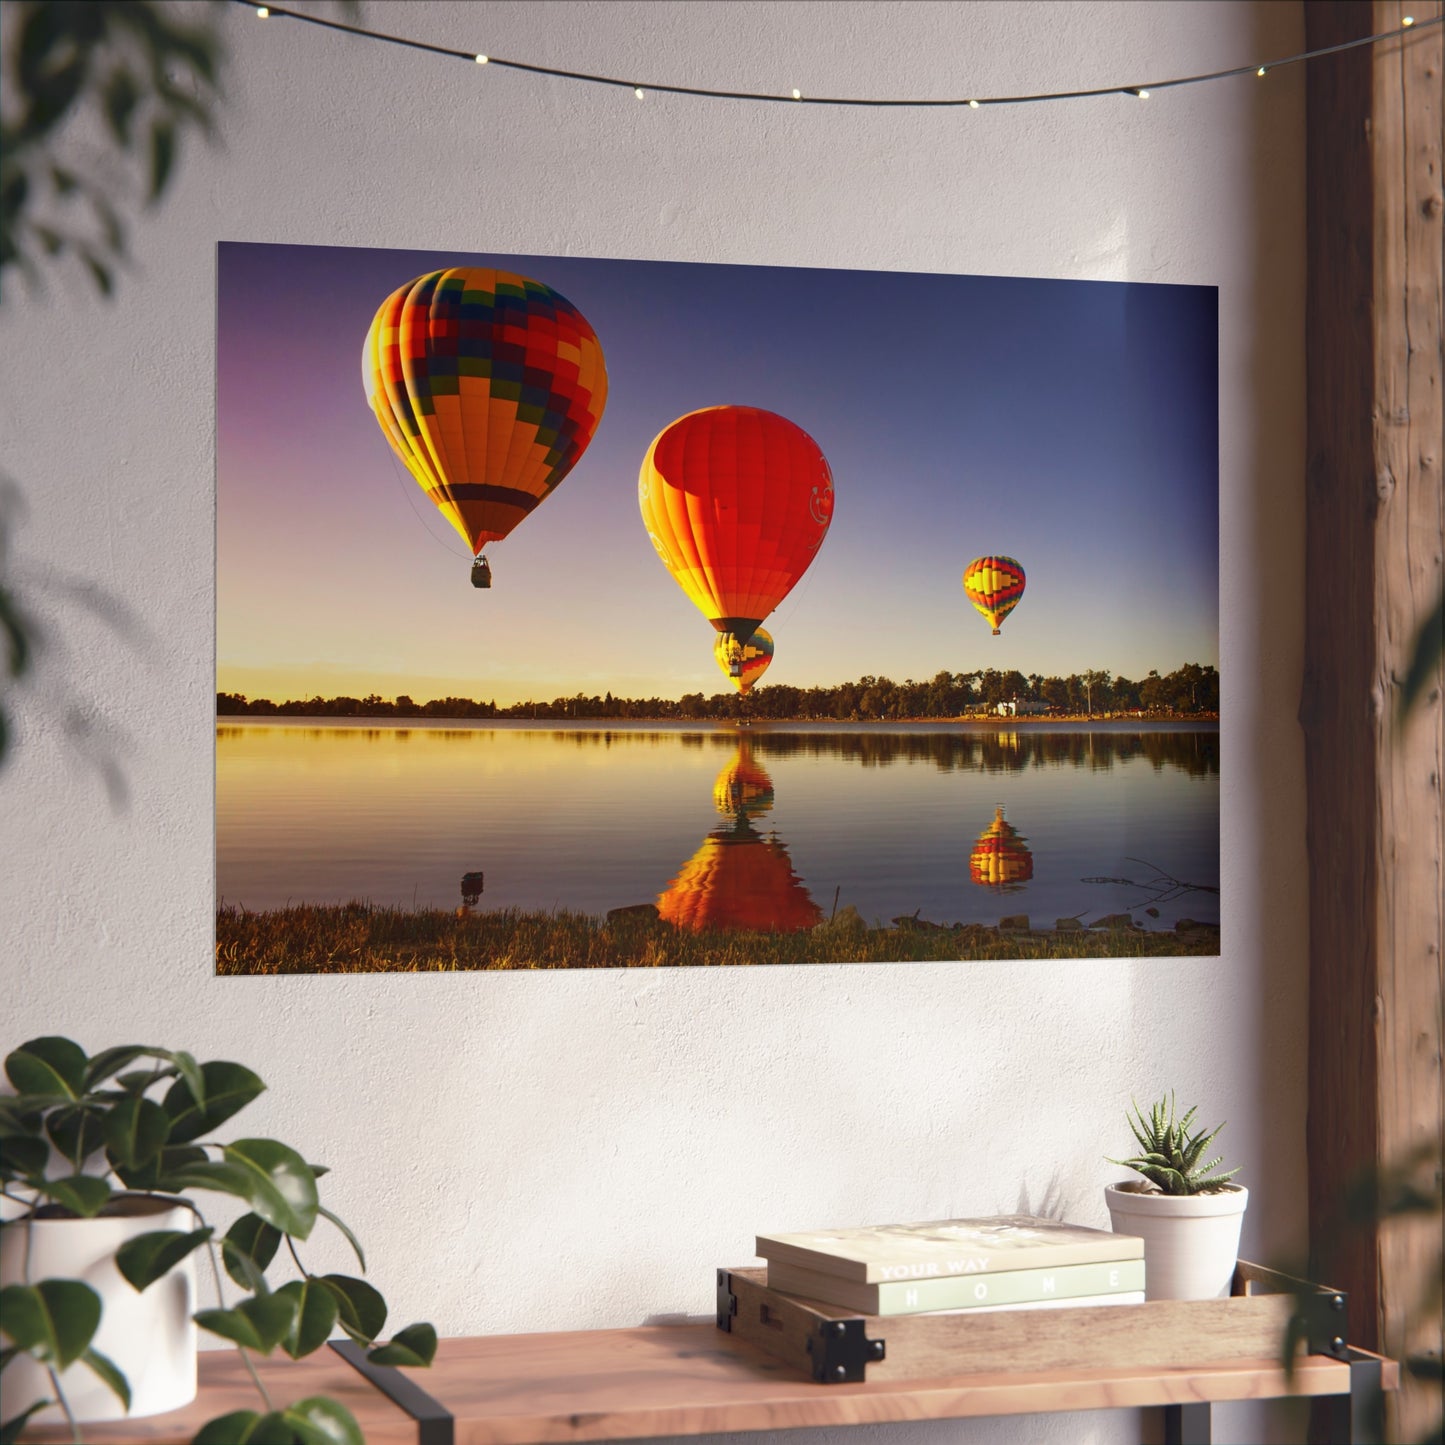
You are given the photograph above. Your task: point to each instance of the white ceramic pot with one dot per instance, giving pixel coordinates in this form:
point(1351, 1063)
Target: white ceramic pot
point(1191, 1241)
point(149, 1336)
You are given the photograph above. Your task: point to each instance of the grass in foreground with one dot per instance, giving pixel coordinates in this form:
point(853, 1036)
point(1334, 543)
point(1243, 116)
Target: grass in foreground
point(364, 938)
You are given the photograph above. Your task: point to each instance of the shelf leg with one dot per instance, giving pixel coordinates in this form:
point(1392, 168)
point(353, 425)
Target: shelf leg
point(1187, 1424)
point(1359, 1417)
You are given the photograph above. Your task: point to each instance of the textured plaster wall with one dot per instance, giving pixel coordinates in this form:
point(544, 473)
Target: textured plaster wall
point(531, 1152)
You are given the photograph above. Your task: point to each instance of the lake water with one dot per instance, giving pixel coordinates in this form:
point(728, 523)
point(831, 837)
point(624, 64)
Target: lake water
point(771, 825)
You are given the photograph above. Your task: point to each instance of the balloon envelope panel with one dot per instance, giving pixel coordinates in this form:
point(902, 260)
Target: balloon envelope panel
point(489, 386)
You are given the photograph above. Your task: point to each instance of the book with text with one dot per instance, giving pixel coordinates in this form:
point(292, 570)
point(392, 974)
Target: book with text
point(961, 1292)
point(942, 1247)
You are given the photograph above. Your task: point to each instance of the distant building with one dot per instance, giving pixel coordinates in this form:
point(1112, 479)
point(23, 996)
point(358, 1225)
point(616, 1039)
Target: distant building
point(1020, 707)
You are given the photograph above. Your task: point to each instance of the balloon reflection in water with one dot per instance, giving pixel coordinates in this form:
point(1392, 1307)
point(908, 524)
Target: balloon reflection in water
point(1001, 858)
point(743, 789)
point(739, 880)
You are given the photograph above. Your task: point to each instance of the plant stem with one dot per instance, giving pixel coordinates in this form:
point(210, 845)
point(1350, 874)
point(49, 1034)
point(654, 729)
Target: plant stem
point(64, 1404)
point(221, 1302)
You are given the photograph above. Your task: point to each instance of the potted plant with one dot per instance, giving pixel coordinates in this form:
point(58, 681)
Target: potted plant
point(102, 1230)
point(1187, 1213)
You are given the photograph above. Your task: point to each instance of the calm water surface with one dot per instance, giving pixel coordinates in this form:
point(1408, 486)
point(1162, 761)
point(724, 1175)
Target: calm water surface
point(953, 824)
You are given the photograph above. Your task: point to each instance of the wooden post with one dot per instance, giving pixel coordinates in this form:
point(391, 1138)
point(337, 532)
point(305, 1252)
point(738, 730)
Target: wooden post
point(1374, 543)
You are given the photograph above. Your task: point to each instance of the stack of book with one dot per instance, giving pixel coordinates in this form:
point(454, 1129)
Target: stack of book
point(1012, 1261)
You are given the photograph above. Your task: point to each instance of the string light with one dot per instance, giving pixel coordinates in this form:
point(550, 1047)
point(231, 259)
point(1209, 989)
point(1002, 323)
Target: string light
point(1262, 71)
point(1141, 91)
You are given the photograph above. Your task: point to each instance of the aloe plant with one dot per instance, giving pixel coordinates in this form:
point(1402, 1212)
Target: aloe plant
point(1170, 1153)
point(81, 1131)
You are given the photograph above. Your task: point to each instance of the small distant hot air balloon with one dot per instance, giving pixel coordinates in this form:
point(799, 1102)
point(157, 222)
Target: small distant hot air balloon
point(737, 502)
point(489, 386)
point(994, 585)
point(743, 663)
point(1001, 858)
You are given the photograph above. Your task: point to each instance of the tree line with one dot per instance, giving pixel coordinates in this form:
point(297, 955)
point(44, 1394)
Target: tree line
point(1192, 691)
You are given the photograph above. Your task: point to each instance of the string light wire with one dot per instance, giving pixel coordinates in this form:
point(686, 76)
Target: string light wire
point(639, 88)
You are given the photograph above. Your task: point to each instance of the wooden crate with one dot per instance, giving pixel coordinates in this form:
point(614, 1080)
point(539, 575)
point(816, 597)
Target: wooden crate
point(836, 1345)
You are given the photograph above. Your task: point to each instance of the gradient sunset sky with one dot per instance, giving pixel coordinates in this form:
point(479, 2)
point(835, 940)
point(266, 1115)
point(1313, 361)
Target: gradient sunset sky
point(1070, 424)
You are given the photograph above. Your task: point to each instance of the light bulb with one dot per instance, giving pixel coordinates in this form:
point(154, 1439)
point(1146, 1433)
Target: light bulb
point(482, 59)
point(1408, 21)
point(1261, 72)
point(262, 12)
point(973, 105)
point(638, 92)
point(1142, 94)
point(797, 95)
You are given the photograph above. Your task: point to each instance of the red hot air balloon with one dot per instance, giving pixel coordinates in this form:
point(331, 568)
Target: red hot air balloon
point(737, 502)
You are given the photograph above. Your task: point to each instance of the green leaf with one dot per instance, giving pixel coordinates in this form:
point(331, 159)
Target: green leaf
point(282, 1186)
point(259, 1323)
point(156, 1174)
point(106, 1369)
point(163, 156)
point(55, 1320)
point(351, 1239)
point(415, 1345)
point(319, 1421)
point(249, 1246)
point(361, 1309)
point(316, 1311)
point(121, 95)
point(12, 1429)
point(245, 1427)
point(83, 1194)
point(149, 1257)
point(49, 1065)
point(136, 1131)
point(207, 1174)
point(1424, 657)
point(76, 1130)
point(21, 1157)
point(226, 1089)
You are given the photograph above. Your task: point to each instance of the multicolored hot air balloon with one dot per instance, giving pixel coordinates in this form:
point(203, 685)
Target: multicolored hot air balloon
point(1001, 858)
point(743, 663)
point(737, 502)
point(489, 387)
point(994, 585)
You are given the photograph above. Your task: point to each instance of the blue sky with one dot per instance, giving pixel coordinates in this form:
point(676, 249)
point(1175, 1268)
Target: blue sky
point(1070, 424)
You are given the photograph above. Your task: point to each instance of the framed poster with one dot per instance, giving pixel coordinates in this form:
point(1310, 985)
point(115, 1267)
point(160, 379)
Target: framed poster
point(595, 613)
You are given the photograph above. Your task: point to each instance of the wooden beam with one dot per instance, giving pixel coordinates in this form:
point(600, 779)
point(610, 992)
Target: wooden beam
point(1374, 544)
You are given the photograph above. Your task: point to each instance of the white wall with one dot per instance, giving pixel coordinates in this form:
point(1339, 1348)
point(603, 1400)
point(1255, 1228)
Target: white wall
point(546, 1151)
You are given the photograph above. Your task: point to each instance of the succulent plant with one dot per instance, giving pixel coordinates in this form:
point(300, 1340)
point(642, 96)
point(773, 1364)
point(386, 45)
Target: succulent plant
point(1170, 1154)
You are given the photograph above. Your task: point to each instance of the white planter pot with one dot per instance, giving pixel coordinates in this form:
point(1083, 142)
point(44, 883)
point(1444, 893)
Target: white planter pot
point(149, 1336)
point(1191, 1241)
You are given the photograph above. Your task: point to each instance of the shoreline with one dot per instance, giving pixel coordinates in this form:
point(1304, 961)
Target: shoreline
point(1143, 722)
point(361, 937)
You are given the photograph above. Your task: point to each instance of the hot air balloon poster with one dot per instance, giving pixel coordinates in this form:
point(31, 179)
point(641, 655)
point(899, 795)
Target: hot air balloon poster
point(587, 613)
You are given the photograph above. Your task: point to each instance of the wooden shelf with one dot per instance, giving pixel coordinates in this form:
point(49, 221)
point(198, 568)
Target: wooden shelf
point(692, 1379)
